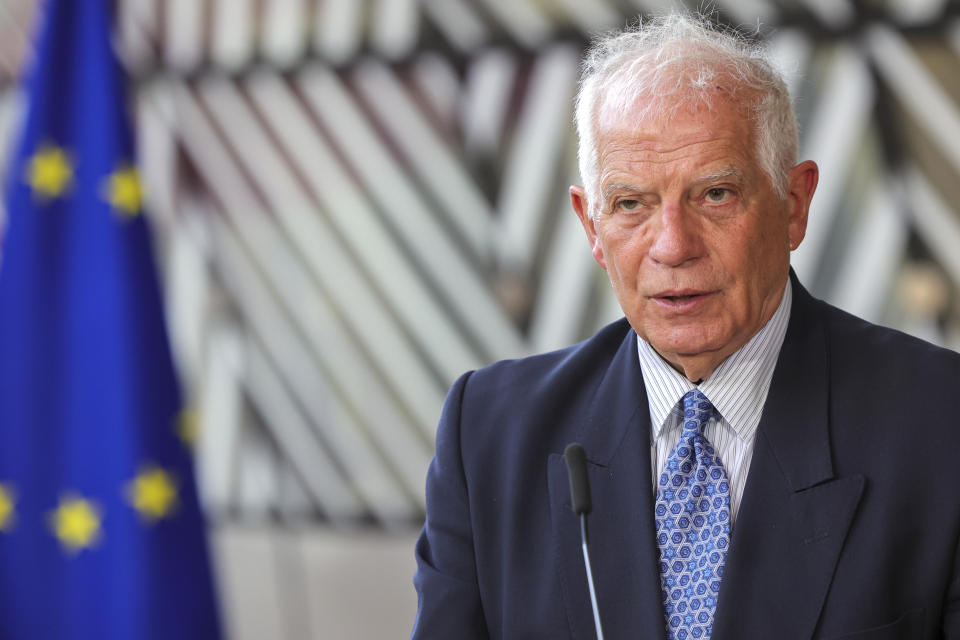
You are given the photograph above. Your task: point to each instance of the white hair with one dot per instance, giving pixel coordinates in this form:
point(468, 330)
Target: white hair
point(682, 60)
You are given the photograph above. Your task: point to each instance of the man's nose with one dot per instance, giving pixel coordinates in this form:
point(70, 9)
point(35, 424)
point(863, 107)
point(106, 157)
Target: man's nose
point(677, 237)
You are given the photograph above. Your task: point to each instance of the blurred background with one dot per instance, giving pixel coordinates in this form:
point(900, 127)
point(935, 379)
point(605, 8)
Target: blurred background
point(355, 201)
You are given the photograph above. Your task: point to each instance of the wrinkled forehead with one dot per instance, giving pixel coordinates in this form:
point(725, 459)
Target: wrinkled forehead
point(716, 112)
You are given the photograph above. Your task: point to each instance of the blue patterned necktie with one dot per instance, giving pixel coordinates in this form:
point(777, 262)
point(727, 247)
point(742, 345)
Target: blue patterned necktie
point(693, 525)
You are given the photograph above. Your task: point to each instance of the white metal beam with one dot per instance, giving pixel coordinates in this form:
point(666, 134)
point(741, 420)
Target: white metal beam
point(567, 281)
point(320, 247)
point(458, 21)
point(374, 250)
point(836, 129)
point(284, 36)
point(338, 29)
point(750, 14)
point(916, 11)
point(792, 51)
point(344, 395)
point(430, 157)
point(486, 101)
point(833, 13)
point(395, 27)
point(279, 393)
point(591, 16)
point(519, 18)
point(219, 404)
point(439, 83)
point(937, 223)
point(916, 87)
point(286, 275)
point(232, 38)
point(871, 260)
point(412, 220)
point(137, 28)
point(183, 39)
point(389, 347)
point(537, 149)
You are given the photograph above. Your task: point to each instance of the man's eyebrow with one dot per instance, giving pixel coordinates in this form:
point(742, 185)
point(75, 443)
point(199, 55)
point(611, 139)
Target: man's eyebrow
point(613, 187)
point(723, 174)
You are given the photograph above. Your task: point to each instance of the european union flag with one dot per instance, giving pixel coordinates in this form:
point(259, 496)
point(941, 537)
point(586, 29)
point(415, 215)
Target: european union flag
point(100, 531)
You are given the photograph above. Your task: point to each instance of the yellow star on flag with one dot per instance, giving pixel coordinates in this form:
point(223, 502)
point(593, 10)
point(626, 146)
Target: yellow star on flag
point(153, 493)
point(124, 192)
point(6, 507)
point(49, 172)
point(76, 523)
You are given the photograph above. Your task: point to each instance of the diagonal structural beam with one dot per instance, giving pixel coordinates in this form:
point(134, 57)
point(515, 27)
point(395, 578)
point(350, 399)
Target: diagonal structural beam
point(521, 20)
point(283, 35)
point(919, 91)
point(877, 246)
point(232, 33)
point(834, 136)
point(936, 222)
point(434, 163)
point(411, 217)
point(459, 22)
point(327, 264)
point(300, 384)
point(286, 276)
point(533, 162)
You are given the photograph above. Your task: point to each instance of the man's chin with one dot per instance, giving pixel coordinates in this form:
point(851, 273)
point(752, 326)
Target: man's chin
point(689, 342)
point(676, 348)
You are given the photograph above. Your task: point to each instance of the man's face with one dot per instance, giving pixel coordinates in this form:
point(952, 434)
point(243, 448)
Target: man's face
point(693, 236)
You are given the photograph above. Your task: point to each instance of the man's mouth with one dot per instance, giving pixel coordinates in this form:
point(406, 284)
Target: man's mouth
point(683, 300)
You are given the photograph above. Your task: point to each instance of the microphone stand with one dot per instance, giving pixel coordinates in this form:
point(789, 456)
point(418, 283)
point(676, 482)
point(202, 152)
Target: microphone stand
point(581, 505)
point(586, 562)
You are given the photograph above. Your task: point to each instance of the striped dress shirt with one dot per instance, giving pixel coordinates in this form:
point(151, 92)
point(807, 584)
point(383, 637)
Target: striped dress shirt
point(737, 389)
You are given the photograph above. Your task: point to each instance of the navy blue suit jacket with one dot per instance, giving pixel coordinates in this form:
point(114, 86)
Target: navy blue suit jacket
point(848, 527)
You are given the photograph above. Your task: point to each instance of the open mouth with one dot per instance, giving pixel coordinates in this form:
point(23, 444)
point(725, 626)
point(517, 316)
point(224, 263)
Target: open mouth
point(682, 302)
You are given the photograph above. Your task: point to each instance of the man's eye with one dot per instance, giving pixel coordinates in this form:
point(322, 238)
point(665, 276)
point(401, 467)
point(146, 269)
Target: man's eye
point(628, 205)
point(717, 194)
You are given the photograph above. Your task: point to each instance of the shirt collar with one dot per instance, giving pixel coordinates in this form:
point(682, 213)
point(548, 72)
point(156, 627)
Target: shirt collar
point(737, 388)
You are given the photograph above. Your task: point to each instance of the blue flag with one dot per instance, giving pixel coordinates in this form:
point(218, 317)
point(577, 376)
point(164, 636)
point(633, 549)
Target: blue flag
point(101, 536)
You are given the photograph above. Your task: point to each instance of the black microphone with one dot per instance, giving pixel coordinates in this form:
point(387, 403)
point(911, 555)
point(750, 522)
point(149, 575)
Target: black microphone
point(581, 504)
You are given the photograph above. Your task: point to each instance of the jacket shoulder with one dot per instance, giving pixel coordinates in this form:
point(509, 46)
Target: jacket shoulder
point(882, 351)
point(537, 399)
point(545, 369)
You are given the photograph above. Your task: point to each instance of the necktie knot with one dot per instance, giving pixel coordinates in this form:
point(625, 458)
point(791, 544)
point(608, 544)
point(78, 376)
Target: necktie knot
point(697, 411)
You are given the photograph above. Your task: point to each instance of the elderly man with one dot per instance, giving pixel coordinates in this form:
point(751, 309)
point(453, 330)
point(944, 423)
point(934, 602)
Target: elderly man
point(762, 464)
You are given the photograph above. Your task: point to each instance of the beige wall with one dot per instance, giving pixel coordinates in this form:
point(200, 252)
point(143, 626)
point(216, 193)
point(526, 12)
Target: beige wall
point(314, 583)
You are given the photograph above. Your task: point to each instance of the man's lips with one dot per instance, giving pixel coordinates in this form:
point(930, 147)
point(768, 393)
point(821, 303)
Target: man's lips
point(681, 299)
point(680, 294)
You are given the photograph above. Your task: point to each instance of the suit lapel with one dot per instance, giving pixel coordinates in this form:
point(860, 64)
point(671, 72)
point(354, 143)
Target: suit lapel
point(795, 514)
point(622, 544)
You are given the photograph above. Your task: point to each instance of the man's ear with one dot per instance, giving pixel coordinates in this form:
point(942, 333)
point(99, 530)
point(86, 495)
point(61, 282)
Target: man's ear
point(802, 182)
point(578, 198)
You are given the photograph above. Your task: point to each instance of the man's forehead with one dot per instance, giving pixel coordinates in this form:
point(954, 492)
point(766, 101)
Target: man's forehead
point(676, 111)
point(707, 134)
point(702, 150)
point(640, 122)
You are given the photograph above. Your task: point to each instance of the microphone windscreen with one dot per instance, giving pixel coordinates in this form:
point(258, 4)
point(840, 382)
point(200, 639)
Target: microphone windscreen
point(576, 459)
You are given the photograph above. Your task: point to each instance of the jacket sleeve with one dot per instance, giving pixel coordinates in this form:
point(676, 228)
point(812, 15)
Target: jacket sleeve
point(449, 604)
